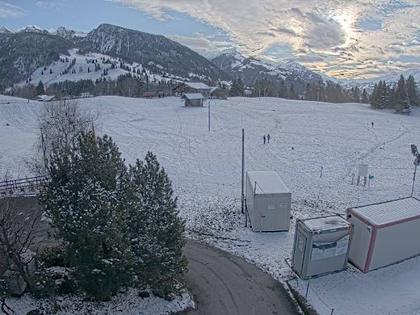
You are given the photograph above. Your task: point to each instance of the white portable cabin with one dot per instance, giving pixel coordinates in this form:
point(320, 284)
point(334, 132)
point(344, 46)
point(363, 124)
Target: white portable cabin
point(321, 246)
point(268, 202)
point(384, 233)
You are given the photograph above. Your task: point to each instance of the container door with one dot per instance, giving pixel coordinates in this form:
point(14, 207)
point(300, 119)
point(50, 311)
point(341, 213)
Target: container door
point(271, 216)
point(299, 253)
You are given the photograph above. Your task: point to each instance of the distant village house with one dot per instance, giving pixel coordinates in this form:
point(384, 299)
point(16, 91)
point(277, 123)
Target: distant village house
point(193, 88)
point(86, 95)
point(193, 99)
point(248, 93)
point(219, 93)
point(153, 94)
point(149, 94)
point(45, 98)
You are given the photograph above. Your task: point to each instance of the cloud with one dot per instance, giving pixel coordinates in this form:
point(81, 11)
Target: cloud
point(8, 10)
point(48, 4)
point(335, 31)
point(209, 46)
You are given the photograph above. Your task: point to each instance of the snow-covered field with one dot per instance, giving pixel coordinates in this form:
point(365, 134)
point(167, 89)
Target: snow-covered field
point(206, 169)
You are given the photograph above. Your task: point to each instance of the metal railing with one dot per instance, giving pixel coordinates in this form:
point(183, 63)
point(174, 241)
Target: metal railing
point(28, 185)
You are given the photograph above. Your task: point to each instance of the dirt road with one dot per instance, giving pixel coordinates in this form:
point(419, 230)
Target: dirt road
point(227, 285)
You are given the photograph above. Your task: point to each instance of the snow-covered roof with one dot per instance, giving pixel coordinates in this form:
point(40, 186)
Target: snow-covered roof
point(45, 98)
point(193, 96)
point(326, 223)
point(198, 85)
point(268, 182)
point(389, 212)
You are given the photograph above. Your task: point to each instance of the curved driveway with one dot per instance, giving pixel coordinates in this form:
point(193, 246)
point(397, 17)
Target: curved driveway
point(223, 284)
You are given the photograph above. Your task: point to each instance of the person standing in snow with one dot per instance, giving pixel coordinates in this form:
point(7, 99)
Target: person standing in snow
point(373, 124)
point(264, 139)
point(268, 138)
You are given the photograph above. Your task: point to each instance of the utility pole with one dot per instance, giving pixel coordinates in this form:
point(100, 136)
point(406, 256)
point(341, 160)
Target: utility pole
point(243, 173)
point(416, 154)
point(414, 178)
point(209, 107)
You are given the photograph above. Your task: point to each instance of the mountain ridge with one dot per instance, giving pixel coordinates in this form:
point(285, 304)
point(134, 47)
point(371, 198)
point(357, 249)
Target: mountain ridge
point(22, 52)
point(250, 70)
point(157, 51)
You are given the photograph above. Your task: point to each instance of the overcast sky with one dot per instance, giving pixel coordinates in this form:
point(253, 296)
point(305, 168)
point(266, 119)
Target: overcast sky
point(342, 38)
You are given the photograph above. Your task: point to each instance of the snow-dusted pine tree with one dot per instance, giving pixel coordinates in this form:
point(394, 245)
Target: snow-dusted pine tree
point(40, 89)
point(412, 91)
point(155, 227)
point(402, 100)
point(82, 199)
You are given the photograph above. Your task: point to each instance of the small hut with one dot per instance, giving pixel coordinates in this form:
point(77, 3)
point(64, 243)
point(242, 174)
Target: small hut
point(193, 99)
point(268, 202)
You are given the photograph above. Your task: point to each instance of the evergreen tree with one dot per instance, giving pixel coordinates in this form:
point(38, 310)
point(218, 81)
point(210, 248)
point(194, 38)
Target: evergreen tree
point(82, 199)
point(365, 97)
point(158, 249)
point(374, 97)
point(380, 95)
point(291, 93)
point(40, 89)
point(401, 97)
point(387, 99)
point(310, 93)
point(392, 100)
point(413, 96)
point(237, 88)
point(355, 94)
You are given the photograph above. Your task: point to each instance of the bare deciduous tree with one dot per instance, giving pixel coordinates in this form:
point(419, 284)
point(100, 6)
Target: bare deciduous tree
point(60, 123)
point(18, 233)
point(3, 294)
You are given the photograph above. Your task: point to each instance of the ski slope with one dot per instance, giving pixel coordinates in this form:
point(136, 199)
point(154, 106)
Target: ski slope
point(206, 169)
point(84, 69)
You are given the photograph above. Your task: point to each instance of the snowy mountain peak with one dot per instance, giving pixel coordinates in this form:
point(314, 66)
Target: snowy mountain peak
point(4, 30)
point(251, 69)
point(293, 65)
point(67, 33)
point(33, 29)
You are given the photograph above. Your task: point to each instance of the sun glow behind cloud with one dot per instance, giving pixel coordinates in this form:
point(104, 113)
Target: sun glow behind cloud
point(342, 38)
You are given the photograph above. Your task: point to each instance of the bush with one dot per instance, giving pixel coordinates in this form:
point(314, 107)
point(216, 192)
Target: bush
point(44, 286)
point(67, 286)
point(53, 257)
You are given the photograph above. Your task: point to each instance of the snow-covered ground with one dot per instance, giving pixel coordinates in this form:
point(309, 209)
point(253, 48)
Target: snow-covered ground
point(206, 169)
point(126, 303)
